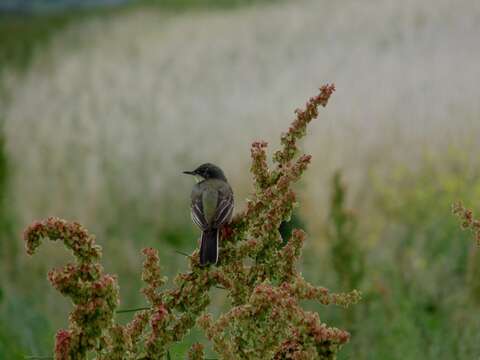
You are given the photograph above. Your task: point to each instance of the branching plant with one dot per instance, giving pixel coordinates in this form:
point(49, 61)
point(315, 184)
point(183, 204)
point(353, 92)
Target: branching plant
point(265, 321)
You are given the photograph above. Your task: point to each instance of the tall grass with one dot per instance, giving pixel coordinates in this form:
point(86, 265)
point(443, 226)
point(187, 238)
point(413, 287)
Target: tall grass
point(127, 97)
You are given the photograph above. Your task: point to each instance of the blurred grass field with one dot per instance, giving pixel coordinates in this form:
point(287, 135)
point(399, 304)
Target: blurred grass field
point(103, 110)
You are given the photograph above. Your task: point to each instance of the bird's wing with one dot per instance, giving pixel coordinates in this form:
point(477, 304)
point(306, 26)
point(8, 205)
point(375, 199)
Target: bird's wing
point(197, 214)
point(224, 209)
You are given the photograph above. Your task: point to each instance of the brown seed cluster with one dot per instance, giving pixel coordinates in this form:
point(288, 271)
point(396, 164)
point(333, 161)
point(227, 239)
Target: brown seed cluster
point(468, 221)
point(265, 320)
point(94, 293)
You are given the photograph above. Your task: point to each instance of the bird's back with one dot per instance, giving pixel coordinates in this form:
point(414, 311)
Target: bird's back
point(207, 195)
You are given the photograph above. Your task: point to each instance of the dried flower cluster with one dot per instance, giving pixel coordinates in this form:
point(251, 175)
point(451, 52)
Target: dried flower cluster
point(94, 293)
point(468, 221)
point(265, 321)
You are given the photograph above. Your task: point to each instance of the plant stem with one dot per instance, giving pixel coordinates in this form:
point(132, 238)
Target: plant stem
point(133, 310)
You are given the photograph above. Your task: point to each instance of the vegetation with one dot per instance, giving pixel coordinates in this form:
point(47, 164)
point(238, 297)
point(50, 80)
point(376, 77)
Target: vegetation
point(108, 110)
point(21, 36)
point(265, 320)
point(347, 255)
point(469, 222)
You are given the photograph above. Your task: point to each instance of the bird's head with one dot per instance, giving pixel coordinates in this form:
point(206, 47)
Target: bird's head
point(207, 171)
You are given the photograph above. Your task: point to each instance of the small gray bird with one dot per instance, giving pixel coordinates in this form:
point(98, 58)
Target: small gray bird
point(211, 208)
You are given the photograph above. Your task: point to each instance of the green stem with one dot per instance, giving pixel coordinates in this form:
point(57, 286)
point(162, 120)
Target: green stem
point(133, 310)
point(182, 253)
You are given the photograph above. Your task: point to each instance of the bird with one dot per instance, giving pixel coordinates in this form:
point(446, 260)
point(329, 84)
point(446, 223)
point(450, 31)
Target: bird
point(212, 205)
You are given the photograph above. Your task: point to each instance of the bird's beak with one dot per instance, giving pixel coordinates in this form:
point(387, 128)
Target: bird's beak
point(189, 172)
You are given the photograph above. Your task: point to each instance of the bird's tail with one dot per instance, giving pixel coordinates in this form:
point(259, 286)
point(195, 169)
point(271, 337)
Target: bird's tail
point(209, 247)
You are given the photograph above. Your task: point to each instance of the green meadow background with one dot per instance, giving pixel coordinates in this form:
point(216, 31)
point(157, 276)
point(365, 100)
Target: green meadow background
point(101, 109)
